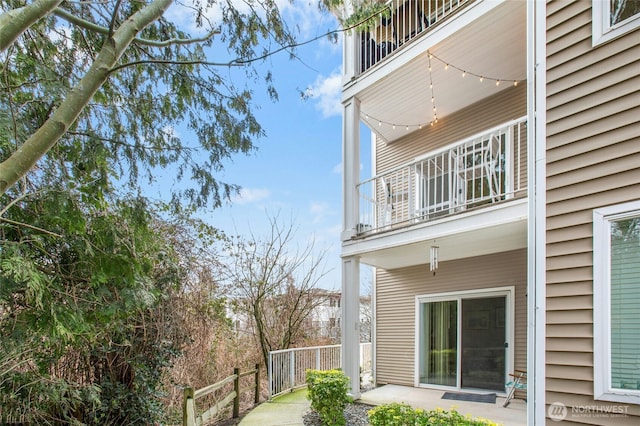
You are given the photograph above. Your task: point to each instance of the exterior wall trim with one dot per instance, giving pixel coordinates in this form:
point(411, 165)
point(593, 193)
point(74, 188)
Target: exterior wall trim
point(536, 274)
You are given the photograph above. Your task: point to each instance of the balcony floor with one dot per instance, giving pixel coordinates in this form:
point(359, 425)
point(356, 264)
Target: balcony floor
point(515, 414)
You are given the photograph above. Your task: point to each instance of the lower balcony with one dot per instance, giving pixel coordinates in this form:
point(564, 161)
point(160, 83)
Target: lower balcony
point(475, 173)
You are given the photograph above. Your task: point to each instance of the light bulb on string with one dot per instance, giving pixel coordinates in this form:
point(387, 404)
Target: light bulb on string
point(464, 72)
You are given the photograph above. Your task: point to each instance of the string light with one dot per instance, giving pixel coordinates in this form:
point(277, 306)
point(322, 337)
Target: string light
point(433, 96)
point(434, 120)
point(382, 123)
point(465, 72)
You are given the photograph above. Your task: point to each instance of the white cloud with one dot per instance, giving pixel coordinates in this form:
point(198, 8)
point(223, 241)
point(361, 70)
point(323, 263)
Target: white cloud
point(327, 91)
point(319, 211)
point(335, 231)
point(251, 195)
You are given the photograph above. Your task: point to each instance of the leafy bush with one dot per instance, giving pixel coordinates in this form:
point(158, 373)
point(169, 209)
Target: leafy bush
point(327, 391)
point(403, 415)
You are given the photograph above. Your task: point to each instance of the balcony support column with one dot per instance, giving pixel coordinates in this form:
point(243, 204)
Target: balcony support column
point(351, 323)
point(350, 166)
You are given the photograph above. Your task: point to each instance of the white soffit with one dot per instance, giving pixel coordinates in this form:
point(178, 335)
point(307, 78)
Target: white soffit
point(494, 45)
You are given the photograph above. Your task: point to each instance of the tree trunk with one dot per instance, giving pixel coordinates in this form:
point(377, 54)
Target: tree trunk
point(26, 156)
point(16, 21)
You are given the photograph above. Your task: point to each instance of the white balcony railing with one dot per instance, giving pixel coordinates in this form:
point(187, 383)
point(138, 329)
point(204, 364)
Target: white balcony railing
point(287, 368)
point(479, 171)
point(400, 22)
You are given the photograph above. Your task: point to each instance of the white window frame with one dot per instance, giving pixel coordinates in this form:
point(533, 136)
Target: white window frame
point(602, 31)
point(602, 218)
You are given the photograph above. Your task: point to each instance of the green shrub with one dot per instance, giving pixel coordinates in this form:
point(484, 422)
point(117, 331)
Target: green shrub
point(392, 415)
point(403, 415)
point(327, 391)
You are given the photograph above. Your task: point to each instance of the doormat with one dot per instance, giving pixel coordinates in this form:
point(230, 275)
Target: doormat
point(489, 398)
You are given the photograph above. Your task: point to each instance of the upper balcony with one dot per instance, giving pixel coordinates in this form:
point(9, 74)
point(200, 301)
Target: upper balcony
point(400, 22)
point(422, 60)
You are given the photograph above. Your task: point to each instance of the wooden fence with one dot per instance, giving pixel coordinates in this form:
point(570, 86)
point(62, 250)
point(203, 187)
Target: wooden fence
point(189, 414)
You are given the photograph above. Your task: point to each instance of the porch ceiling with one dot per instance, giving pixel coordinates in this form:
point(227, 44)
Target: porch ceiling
point(493, 45)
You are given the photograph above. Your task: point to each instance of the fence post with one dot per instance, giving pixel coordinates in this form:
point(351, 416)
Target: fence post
point(270, 377)
point(236, 389)
point(257, 394)
point(292, 370)
point(188, 408)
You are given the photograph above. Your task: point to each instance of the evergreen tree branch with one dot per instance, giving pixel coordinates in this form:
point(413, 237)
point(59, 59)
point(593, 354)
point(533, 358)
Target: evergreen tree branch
point(26, 156)
point(26, 225)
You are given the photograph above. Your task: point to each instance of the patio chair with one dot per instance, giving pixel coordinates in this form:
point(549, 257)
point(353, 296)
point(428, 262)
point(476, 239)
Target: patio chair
point(519, 382)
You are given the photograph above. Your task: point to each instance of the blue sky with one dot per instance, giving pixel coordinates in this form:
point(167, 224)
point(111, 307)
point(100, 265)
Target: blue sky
point(296, 169)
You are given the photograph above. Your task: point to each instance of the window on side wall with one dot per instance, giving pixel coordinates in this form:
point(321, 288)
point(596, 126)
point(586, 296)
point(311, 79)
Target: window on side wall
point(616, 306)
point(612, 18)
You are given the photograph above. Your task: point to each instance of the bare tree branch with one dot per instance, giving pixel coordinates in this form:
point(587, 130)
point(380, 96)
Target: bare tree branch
point(71, 18)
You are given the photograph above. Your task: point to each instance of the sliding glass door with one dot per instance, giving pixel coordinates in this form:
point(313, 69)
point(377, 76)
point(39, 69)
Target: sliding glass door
point(483, 343)
point(440, 343)
point(462, 341)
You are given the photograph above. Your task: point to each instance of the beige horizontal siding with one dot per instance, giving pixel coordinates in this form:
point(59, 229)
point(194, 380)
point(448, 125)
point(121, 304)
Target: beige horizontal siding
point(584, 359)
point(624, 191)
point(395, 306)
point(578, 245)
point(570, 289)
point(560, 229)
point(506, 105)
point(616, 137)
point(593, 160)
point(610, 159)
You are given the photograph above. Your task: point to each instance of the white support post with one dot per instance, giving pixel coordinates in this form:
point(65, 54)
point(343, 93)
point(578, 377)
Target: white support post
point(350, 166)
point(351, 323)
point(349, 47)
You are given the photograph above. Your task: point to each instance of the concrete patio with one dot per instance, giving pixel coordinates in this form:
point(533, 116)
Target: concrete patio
point(515, 414)
point(289, 409)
